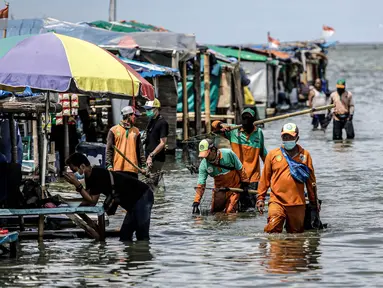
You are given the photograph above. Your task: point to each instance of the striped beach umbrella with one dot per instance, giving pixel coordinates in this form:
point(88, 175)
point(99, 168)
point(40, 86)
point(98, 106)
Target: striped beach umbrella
point(58, 63)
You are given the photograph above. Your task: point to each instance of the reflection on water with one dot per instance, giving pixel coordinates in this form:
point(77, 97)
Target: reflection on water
point(290, 254)
point(220, 251)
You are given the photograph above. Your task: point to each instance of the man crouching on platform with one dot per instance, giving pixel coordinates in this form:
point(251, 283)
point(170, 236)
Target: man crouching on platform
point(286, 171)
point(120, 189)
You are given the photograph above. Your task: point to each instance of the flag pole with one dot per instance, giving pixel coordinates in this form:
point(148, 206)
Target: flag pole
point(5, 29)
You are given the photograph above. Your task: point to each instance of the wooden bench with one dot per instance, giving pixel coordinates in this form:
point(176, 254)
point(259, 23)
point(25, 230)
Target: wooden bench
point(12, 238)
point(76, 214)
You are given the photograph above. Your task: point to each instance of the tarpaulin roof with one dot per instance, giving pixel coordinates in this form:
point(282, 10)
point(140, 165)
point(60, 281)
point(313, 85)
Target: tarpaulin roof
point(147, 41)
point(114, 26)
point(148, 70)
point(245, 55)
point(278, 54)
point(145, 27)
point(298, 45)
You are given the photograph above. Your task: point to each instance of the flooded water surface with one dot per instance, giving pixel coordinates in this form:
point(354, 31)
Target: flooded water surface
point(217, 251)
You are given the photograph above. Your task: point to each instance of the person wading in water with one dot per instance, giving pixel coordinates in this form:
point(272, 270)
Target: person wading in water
point(287, 170)
point(343, 111)
point(126, 138)
point(156, 136)
point(120, 189)
point(248, 144)
point(226, 169)
point(318, 98)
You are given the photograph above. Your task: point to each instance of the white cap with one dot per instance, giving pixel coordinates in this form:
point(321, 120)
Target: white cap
point(129, 110)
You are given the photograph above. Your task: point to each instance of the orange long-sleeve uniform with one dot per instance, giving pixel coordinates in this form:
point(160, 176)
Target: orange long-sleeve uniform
point(287, 199)
point(249, 148)
point(223, 178)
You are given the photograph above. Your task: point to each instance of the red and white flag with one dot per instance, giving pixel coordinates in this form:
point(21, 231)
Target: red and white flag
point(273, 43)
point(327, 31)
point(4, 18)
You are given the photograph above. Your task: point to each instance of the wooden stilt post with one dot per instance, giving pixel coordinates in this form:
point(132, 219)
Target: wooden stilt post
point(197, 93)
point(41, 167)
point(13, 132)
point(43, 163)
point(206, 77)
point(35, 143)
point(185, 112)
point(66, 138)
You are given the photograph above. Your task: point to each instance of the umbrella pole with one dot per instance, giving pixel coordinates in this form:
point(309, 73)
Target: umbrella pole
point(66, 138)
point(43, 163)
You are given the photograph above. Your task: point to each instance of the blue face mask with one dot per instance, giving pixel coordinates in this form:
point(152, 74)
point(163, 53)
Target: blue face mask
point(79, 176)
point(289, 145)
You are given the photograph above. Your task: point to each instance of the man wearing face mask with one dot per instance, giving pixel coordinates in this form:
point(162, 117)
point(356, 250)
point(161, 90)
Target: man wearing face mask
point(157, 132)
point(119, 188)
point(126, 138)
point(343, 111)
point(248, 144)
point(318, 98)
point(287, 171)
point(226, 169)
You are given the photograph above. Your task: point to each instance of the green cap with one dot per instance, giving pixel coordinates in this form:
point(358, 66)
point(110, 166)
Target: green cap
point(341, 83)
point(250, 111)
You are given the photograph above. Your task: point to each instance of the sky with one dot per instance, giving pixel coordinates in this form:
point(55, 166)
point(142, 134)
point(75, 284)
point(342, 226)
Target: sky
point(227, 21)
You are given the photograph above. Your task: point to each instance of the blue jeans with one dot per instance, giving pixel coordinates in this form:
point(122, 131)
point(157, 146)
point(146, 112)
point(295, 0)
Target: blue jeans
point(138, 219)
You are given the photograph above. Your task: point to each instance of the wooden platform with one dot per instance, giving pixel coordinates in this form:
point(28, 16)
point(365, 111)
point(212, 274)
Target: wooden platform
point(64, 234)
point(51, 211)
point(76, 214)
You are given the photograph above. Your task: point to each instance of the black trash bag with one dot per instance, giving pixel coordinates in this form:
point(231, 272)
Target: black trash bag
point(312, 219)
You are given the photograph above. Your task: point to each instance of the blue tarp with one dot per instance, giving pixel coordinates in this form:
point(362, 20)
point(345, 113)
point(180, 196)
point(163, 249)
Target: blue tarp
point(149, 70)
point(215, 82)
point(26, 93)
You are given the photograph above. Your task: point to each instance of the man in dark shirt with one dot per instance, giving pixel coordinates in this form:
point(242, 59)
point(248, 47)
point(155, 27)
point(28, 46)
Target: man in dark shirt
point(133, 195)
point(156, 136)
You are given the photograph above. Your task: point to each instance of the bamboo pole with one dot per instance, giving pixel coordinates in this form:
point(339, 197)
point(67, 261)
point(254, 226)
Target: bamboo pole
point(185, 103)
point(206, 74)
point(142, 171)
point(230, 90)
point(288, 115)
point(35, 143)
point(43, 163)
point(197, 93)
point(66, 138)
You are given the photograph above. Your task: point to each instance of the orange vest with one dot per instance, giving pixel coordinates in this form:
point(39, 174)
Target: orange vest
point(128, 146)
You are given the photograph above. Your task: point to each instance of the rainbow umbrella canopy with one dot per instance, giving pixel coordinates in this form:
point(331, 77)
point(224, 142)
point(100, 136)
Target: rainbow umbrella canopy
point(58, 63)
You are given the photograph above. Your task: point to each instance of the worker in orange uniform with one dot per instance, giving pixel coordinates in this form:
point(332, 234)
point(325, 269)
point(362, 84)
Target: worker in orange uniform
point(286, 171)
point(226, 169)
point(248, 144)
point(126, 138)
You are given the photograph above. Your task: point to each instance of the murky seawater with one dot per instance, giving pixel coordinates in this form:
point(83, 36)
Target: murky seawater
point(216, 251)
